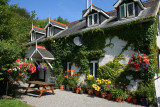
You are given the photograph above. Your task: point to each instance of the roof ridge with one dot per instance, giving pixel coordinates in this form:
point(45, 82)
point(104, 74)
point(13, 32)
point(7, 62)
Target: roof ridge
point(39, 28)
point(58, 22)
point(73, 22)
point(142, 2)
point(94, 5)
point(111, 11)
point(148, 1)
point(41, 47)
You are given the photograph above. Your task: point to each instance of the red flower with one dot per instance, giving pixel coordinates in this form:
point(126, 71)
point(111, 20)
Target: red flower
point(18, 60)
point(33, 69)
point(10, 81)
point(29, 65)
point(8, 70)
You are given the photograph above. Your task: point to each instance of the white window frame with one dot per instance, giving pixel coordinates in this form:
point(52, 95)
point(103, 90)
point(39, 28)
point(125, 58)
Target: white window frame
point(94, 66)
point(50, 31)
point(124, 10)
point(133, 9)
point(68, 63)
point(93, 19)
point(33, 34)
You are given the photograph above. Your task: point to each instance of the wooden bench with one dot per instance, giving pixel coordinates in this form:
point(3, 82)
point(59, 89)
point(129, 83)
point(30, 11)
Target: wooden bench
point(39, 84)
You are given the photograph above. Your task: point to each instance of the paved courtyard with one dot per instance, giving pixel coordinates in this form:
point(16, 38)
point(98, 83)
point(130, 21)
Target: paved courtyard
point(69, 99)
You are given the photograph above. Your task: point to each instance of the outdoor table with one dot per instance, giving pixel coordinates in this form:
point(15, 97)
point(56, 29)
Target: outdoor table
point(39, 84)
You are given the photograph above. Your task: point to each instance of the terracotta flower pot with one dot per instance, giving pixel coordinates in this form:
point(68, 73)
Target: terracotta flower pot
point(109, 97)
point(97, 93)
point(90, 92)
point(134, 101)
point(84, 90)
point(73, 89)
point(103, 95)
point(129, 99)
point(61, 87)
point(118, 99)
point(77, 90)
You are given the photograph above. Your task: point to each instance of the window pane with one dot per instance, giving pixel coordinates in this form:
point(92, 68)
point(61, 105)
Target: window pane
point(91, 68)
point(130, 10)
point(95, 19)
point(122, 11)
point(96, 67)
point(90, 20)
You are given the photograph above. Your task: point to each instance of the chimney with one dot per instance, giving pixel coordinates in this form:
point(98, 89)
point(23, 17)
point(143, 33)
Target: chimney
point(87, 4)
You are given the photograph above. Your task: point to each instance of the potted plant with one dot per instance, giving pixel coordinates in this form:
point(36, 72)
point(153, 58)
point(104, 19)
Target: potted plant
point(90, 82)
point(97, 89)
point(119, 95)
point(60, 80)
point(51, 79)
point(146, 93)
point(104, 86)
point(73, 82)
point(81, 91)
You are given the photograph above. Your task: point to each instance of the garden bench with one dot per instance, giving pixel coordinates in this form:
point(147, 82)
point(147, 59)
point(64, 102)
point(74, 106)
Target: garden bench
point(39, 84)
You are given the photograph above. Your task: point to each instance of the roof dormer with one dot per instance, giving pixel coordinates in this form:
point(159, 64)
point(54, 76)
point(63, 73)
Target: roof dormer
point(128, 8)
point(53, 27)
point(94, 15)
point(37, 32)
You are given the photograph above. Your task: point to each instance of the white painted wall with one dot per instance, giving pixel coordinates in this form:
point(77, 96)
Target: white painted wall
point(158, 41)
point(114, 50)
point(111, 52)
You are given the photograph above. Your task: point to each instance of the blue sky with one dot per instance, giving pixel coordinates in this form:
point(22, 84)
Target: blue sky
point(69, 9)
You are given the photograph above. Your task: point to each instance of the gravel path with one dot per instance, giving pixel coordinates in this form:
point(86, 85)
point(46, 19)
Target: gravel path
point(69, 99)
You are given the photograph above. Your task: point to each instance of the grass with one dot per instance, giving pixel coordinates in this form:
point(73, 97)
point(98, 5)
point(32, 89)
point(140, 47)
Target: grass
point(12, 103)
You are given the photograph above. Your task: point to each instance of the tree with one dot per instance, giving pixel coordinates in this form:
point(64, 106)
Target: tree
point(61, 20)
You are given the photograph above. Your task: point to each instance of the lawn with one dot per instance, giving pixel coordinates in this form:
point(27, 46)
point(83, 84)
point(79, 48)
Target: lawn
point(12, 103)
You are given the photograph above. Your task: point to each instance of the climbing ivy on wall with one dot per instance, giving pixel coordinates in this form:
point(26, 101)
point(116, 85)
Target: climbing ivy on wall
point(140, 36)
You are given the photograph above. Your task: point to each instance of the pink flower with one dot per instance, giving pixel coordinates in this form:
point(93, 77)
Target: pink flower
point(20, 65)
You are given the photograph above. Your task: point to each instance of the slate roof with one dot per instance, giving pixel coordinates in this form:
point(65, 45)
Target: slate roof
point(57, 23)
point(38, 29)
point(80, 25)
point(45, 53)
point(150, 7)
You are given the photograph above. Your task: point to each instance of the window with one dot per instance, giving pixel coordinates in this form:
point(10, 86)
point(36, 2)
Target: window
point(127, 10)
point(50, 31)
point(130, 9)
point(93, 19)
point(69, 66)
point(93, 68)
point(122, 11)
point(33, 36)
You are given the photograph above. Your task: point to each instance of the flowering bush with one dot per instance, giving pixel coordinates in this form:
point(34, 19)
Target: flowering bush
point(139, 61)
point(21, 71)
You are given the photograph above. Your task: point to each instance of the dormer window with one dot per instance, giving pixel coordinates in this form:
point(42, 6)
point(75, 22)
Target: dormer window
point(50, 31)
point(122, 11)
point(33, 36)
point(130, 10)
point(127, 10)
point(93, 19)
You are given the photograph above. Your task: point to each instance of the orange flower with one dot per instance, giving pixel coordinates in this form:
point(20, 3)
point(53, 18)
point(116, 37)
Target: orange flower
point(61, 72)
